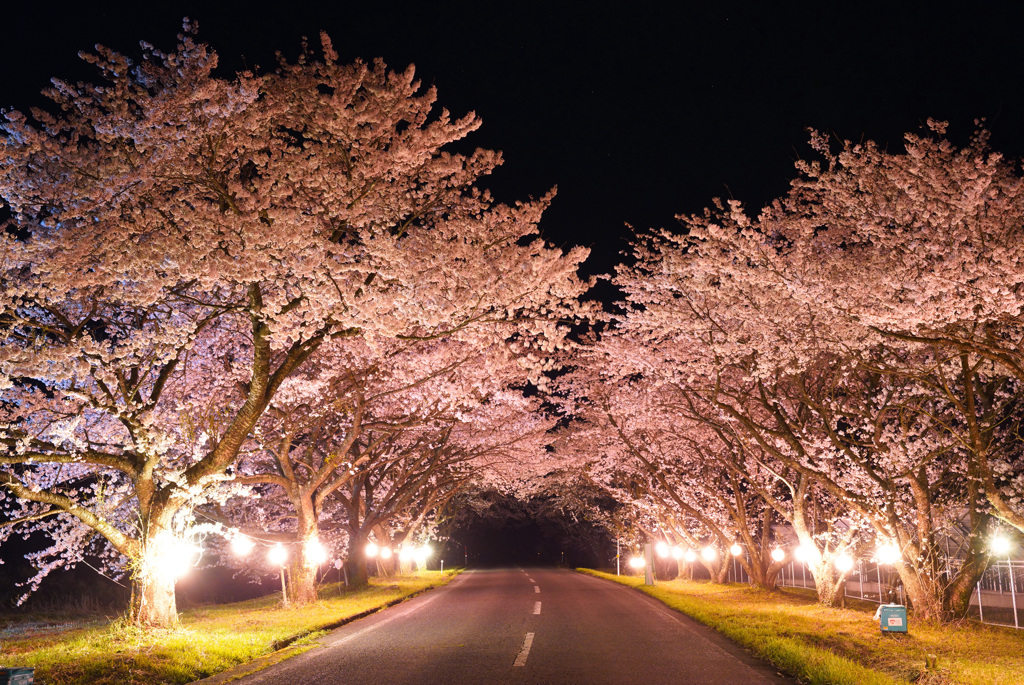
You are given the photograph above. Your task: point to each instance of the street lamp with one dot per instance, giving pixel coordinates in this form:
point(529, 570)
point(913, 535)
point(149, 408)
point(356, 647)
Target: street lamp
point(887, 554)
point(371, 550)
point(278, 555)
point(844, 562)
point(778, 554)
point(242, 545)
point(662, 549)
point(709, 553)
point(421, 555)
point(637, 562)
point(315, 552)
point(1002, 546)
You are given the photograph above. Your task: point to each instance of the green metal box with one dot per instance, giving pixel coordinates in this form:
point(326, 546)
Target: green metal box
point(17, 676)
point(893, 618)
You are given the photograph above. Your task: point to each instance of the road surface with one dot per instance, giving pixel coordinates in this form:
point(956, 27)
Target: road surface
point(522, 626)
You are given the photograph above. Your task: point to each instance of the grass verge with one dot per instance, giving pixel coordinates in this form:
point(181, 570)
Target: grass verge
point(208, 640)
point(823, 646)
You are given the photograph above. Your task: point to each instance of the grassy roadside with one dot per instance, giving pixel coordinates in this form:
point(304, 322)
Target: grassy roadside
point(209, 640)
point(842, 646)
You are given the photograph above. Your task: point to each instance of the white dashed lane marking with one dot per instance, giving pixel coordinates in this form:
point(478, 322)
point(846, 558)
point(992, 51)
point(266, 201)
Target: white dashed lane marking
point(525, 651)
point(536, 608)
point(536, 588)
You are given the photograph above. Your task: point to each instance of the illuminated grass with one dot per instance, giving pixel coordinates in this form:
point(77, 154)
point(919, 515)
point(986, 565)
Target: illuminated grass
point(208, 641)
point(842, 646)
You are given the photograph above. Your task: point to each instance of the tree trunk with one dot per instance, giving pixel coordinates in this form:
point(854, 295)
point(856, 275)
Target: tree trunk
point(829, 582)
point(302, 567)
point(153, 601)
point(358, 573)
point(923, 593)
point(161, 557)
point(302, 579)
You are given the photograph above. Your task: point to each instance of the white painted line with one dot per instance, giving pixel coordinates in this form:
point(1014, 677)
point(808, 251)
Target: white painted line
point(536, 588)
point(397, 614)
point(529, 579)
point(525, 651)
point(536, 608)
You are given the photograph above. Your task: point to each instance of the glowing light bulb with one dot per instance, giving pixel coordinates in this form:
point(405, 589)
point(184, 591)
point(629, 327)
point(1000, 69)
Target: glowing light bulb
point(1001, 545)
point(637, 562)
point(385, 552)
point(242, 545)
point(677, 553)
point(844, 562)
point(371, 550)
point(661, 548)
point(709, 553)
point(888, 554)
point(736, 550)
point(315, 552)
point(778, 554)
point(690, 556)
point(278, 555)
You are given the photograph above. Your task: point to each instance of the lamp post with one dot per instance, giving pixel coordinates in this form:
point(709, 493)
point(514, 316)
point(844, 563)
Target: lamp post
point(278, 556)
point(736, 551)
point(887, 554)
point(1002, 546)
point(649, 564)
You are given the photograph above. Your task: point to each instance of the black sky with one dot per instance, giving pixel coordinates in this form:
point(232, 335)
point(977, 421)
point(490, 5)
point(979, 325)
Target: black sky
point(637, 111)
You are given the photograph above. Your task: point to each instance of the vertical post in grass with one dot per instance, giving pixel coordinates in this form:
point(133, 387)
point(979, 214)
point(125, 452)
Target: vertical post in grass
point(284, 592)
point(1013, 592)
point(981, 614)
point(649, 565)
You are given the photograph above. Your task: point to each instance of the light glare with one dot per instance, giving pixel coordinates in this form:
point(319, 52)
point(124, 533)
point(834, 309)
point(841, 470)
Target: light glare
point(242, 545)
point(278, 555)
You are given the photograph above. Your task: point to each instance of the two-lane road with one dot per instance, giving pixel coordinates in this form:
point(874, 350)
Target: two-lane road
point(522, 626)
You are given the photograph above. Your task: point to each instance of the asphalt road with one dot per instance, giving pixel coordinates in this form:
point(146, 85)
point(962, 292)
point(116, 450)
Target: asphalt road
point(522, 626)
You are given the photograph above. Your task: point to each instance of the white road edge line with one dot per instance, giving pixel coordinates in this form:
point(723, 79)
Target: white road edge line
point(398, 614)
point(536, 608)
point(525, 651)
point(536, 588)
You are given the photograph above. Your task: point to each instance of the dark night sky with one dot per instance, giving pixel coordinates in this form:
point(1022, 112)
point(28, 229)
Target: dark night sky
point(637, 111)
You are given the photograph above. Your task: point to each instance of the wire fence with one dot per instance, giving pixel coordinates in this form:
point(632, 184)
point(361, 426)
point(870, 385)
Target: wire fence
point(997, 599)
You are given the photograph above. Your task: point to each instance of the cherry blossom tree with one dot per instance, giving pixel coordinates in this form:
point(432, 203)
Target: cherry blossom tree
point(168, 220)
point(871, 418)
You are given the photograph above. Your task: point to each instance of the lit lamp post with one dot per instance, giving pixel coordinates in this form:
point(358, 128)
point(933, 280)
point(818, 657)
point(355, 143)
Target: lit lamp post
point(735, 551)
point(636, 563)
point(803, 554)
point(778, 555)
point(278, 555)
point(1002, 547)
point(689, 556)
point(887, 555)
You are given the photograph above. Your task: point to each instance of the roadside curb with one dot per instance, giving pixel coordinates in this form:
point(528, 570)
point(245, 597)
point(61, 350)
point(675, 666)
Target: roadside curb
point(289, 649)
